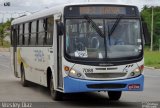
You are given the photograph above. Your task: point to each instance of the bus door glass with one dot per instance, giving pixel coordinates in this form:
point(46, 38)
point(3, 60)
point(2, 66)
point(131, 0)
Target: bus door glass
point(59, 52)
point(14, 43)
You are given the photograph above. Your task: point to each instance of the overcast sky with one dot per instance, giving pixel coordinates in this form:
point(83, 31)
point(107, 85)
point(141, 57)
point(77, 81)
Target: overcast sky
point(20, 6)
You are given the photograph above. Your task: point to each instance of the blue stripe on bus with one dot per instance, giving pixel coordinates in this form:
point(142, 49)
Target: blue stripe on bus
point(72, 85)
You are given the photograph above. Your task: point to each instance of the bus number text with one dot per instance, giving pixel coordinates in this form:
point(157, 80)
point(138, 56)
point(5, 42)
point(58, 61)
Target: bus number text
point(85, 70)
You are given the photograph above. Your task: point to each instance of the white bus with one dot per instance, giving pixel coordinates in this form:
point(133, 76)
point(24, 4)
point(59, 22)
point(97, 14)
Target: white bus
point(80, 48)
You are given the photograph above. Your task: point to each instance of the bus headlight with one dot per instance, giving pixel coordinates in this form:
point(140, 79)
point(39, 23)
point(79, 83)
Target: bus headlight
point(75, 74)
point(136, 72)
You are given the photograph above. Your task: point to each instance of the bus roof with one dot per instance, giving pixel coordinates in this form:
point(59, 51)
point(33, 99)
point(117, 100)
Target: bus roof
point(56, 9)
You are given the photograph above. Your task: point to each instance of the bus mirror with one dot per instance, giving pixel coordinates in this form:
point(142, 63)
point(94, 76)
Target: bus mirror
point(60, 28)
point(146, 33)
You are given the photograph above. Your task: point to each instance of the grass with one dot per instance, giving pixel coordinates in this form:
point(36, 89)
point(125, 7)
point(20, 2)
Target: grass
point(6, 44)
point(152, 58)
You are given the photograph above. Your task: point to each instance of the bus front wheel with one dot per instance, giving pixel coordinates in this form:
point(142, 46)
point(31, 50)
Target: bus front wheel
point(23, 78)
point(114, 95)
point(56, 95)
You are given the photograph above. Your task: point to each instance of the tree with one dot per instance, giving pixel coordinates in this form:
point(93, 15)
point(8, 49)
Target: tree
point(146, 13)
point(4, 31)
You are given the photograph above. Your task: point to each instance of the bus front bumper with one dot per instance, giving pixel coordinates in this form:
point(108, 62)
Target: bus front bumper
point(72, 85)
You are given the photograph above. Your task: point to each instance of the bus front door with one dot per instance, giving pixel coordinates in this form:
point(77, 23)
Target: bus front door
point(59, 61)
point(58, 57)
point(15, 51)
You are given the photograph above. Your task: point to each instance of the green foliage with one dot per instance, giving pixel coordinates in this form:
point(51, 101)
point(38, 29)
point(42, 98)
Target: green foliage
point(146, 13)
point(4, 31)
point(6, 44)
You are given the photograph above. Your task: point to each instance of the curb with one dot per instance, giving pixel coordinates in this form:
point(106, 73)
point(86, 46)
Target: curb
point(151, 68)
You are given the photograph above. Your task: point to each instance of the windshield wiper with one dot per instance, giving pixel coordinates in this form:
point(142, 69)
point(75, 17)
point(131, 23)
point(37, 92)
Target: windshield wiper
point(115, 25)
point(94, 25)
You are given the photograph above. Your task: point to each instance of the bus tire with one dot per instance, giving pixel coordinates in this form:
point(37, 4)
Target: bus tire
point(56, 95)
point(23, 78)
point(114, 95)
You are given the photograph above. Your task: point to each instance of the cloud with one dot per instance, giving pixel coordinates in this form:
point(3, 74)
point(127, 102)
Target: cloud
point(139, 3)
point(20, 6)
point(33, 5)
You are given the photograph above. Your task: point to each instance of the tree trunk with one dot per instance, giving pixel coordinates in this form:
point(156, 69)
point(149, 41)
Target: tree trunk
point(2, 42)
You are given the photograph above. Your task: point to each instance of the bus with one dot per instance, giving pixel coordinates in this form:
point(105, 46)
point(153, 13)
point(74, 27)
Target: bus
point(84, 47)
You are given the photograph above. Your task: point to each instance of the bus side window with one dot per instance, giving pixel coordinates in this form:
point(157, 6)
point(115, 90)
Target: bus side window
point(45, 23)
point(41, 32)
point(23, 37)
point(20, 34)
point(14, 35)
point(37, 30)
point(11, 36)
point(50, 28)
point(33, 32)
point(17, 34)
point(29, 29)
point(26, 34)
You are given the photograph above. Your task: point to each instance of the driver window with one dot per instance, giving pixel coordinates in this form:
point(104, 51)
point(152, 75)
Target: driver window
point(115, 37)
point(82, 40)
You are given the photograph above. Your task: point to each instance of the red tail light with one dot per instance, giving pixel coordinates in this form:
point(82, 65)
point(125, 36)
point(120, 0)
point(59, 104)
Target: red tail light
point(141, 68)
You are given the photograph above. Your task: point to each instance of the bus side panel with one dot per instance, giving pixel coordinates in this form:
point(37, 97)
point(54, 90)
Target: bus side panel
point(35, 62)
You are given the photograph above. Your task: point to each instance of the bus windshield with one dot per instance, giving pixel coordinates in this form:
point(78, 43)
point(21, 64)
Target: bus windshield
point(83, 41)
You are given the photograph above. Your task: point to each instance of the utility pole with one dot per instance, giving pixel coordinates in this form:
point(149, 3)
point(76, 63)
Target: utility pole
point(159, 45)
point(151, 48)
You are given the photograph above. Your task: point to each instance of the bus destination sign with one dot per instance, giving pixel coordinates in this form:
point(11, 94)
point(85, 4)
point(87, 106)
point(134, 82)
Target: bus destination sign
point(77, 11)
point(97, 10)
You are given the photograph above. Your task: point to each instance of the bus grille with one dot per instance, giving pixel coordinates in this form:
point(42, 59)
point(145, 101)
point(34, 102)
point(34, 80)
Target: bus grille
point(105, 75)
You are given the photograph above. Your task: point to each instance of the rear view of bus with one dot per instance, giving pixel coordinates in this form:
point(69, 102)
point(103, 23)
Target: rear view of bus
point(103, 49)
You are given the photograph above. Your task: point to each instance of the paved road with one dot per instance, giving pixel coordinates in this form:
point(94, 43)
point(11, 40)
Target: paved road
point(11, 90)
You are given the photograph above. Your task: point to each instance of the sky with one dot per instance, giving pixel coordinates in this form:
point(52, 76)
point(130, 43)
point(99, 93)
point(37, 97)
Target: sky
point(20, 7)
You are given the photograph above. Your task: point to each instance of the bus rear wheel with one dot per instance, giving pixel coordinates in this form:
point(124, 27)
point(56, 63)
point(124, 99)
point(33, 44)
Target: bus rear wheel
point(56, 95)
point(23, 78)
point(114, 95)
